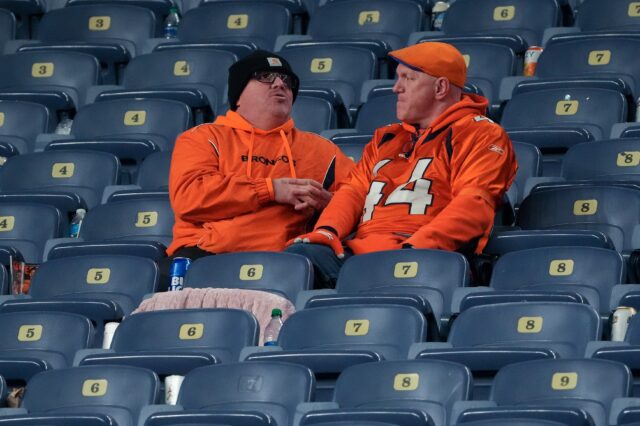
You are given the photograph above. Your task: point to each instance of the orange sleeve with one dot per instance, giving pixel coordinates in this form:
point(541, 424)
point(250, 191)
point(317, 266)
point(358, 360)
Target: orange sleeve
point(344, 167)
point(199, 192)
point(345, 208)
point(482, 169)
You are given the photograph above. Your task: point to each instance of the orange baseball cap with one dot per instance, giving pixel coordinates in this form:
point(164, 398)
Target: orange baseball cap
point(434, 58)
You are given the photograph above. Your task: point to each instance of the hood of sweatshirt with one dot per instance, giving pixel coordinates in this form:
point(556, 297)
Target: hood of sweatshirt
point(236, 121)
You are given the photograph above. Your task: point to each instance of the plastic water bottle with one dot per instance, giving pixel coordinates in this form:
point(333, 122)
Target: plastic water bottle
point(76, 222)
point(171, 23)
point(273, 328)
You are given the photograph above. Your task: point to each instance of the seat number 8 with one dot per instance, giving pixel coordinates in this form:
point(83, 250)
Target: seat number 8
point(406, 382)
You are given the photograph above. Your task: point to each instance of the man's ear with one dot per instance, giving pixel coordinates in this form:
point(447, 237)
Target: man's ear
point(442, 87)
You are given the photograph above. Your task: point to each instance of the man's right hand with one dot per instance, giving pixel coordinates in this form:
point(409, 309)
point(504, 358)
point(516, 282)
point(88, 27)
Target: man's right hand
point(323, 237)
point(301, 193)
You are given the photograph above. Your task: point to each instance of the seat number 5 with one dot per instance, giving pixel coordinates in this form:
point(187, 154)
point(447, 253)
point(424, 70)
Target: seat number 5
point(415, 192)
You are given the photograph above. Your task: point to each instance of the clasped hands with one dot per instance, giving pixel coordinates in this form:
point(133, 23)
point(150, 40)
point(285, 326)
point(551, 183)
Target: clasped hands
point(302, 194)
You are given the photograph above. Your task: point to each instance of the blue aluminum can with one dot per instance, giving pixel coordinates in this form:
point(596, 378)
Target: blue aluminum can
point(177, 272)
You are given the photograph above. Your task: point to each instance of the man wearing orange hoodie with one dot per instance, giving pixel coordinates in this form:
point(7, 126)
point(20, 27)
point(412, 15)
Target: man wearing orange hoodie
point(434, 180)
point(251, 180)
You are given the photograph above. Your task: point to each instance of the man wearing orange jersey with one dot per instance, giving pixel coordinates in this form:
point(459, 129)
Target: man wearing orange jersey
point(251, 180)
point(434, 180)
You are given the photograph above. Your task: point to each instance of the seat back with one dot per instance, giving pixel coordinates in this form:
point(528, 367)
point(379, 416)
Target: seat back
point(70, 72)
point(529, 165)
point(154, 171)
point(158, 120)
point(611, 209)
point(314, 114)
point(21, 122)
point(526, 18)
point(610, 55)
point(120, 24)
point(7, 26)
point(283, 273)
point(27, 227)
point(433, 386)
point(379, 110)
point(148, 219)
point(105, 389)
point(544, 325)
point(391, 22)
point(590, 108)
point(591, 384)
point(222, 332)
point(620, 16)
point(248, 21)
point(603, 160)
point(85, 173)
point(108, 277)
point(386, 329)
point(275, 388)
point(588, 270)
point(332, 66)
point(50, 336)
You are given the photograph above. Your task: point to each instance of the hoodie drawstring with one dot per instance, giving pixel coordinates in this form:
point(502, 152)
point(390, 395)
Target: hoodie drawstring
point(249, 160)
point(287, 148)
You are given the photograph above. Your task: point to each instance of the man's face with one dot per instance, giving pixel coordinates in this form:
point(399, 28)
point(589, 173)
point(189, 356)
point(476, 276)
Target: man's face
point(416, 94)
point(267, 93)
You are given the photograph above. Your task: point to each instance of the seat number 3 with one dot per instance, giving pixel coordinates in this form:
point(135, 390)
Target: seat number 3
point(415, 192)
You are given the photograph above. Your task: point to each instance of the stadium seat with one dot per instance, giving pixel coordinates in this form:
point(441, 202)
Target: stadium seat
point(315, 113)
point(393, 390)
point(520, 19)
point(353, 150)
point(611, 209)
point(92, 395)
point(600, 15)
point(38, 341)
point(7, 27)
point(152, 178)
point(425, 279)
point(28, 226)
point(20, 123)
point(101, 287)
point(343, 336)
point(67, 180)
point(603, 160)
point(552, 271)
point(283, 273)
point(511, 421)
point(508, 241)
point(113, 33)
point(342, 68)
point(378, 110)
point(388, 21)
point(58, 80)
point(4, 280)
point(529, 166)
point(176, 341)
point(547, 389)
point(128, 128)
point(596, 55)
point(26, 15)
point(141, 227)
point(258, 23)
point(254, 393)
point(563, 105)
point(486, 338)
point(197, 77)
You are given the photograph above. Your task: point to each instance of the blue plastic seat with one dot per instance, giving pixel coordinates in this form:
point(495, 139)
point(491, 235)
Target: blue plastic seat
point(508, 241)
point(283, 273)
point(87, 396)
point(58, 80)
point(486, 338)
point(20, 123)
point(552, 272)
point(346, 335)
point(529, 166)
point(7, 26)
point(379, 110)
point(27, 227)
point(424, 279)
point(177, 341)
point(26, 14)
point(549, 389)
point(67, 180)
point(152, 178)
point(128, 128)
point(619, 16)
point(141, 227)
point(38, 341)
point(113, 33)
point(611, 209)
point(253, 393)
point(602, 160)
point(314, 113)
point(393, 391)
point(101, 287)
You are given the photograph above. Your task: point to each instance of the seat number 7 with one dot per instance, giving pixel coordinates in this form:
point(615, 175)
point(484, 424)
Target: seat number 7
point(415, 192)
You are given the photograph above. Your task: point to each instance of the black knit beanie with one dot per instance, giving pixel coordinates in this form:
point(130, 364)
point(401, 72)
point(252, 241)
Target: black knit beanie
point(240, 73)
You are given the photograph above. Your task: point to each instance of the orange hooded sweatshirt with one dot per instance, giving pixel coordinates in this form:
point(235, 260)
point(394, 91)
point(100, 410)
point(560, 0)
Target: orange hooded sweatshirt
point(220, 183)
point(433, 189)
